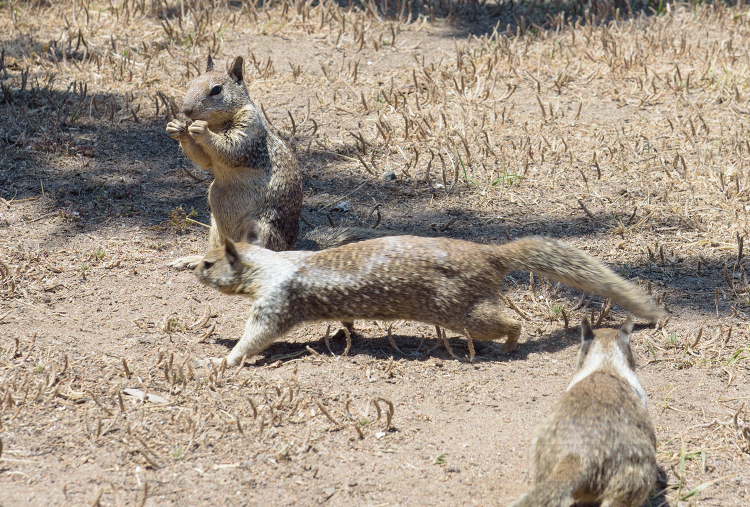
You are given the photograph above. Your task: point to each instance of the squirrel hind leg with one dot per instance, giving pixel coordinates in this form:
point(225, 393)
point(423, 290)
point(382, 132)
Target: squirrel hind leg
point(485, 322)
point(631, 485)
point(614, 503)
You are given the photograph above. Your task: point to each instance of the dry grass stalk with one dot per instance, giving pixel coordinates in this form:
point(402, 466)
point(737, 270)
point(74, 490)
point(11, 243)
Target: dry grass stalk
point(515, 308)
point(326, 413)
point(447, 346)
point(205, 336)
point(327, 339)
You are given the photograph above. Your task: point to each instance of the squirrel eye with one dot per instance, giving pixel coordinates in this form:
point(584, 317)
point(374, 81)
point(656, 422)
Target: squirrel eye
point(215, 90)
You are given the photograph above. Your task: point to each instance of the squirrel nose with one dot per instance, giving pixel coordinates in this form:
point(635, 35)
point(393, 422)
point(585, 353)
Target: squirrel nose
point(187, 111)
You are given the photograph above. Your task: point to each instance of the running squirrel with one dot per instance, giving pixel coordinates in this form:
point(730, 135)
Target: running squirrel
point(598, 445)
point(450, 283)
point(256, 174)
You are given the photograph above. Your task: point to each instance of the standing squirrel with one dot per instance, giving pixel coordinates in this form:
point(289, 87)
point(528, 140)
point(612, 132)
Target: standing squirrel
point(598, 445)
point(256, 172)
point(450, 283)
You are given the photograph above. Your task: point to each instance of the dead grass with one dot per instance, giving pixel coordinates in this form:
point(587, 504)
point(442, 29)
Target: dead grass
point(618, 127)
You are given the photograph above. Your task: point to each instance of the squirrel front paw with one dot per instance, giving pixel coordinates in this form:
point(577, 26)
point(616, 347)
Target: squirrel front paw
point(189, 262)
point(198, 129)
point(178, 130)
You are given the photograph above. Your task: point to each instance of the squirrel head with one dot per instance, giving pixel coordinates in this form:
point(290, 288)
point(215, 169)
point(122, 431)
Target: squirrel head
point(608, 351)
point(217, 95)
point(223, 267)
point(606, 344)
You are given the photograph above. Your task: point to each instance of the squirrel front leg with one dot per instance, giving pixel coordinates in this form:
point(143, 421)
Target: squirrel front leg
point(261, 330)
point(179, 130)
point(230, 148)
point(204, 139)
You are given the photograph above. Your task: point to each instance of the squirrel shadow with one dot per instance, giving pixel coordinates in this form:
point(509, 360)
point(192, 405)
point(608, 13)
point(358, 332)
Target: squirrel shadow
point(414, 349)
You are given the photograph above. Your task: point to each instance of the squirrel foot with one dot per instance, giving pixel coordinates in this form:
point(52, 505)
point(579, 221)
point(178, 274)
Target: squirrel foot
point(189, 262)
point(200, 363)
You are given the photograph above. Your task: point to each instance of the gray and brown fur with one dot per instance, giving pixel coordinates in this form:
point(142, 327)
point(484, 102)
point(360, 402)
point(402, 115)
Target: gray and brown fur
point(598, 445)
point(450, 283)
point(256, 173)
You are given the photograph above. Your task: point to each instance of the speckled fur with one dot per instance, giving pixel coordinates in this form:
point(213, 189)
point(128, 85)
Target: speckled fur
point(598, 445)
point(451, 283)
point(256, 173)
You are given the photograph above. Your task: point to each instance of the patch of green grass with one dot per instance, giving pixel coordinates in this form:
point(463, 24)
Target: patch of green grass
point(439, 459)
point(739, 355)
point(178, 453)
point(685, 456)
point(671, 339)
point(508, 180)
point(99, 253)
point(653, 352)
point(466, 176)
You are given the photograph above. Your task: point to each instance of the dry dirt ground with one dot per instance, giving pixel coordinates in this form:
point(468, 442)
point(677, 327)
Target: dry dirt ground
point(624, 132)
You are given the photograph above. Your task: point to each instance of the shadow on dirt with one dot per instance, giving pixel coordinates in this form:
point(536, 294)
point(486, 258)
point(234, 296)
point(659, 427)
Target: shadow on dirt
point(413, 349)
point(509, 17)
point(89, 169)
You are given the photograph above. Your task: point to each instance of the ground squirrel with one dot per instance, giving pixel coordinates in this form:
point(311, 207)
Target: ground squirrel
point(450, 283)
point(256, 173)
point(598, 445)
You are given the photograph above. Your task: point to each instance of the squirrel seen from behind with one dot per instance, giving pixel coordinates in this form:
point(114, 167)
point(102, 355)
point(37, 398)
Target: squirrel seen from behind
point(451, 283)
point(598, 445)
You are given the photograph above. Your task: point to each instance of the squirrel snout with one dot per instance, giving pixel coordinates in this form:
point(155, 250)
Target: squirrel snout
point(187, 111)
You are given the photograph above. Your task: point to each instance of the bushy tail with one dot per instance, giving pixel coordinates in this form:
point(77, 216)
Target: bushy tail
point(557, 489)
point(322, 238)
point(577, 269)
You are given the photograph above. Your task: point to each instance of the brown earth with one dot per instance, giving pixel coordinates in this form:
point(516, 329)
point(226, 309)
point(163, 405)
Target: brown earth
point(624, 134)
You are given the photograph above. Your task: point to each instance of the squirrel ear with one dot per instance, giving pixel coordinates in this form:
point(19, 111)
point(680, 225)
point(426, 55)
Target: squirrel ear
point(251, 233)
point(236, 70)
point(587, 334)
point(231, 251)
point(623, 336)
point(209, 64)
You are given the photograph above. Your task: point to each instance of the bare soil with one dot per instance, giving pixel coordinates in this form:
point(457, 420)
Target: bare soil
point(623, 133)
